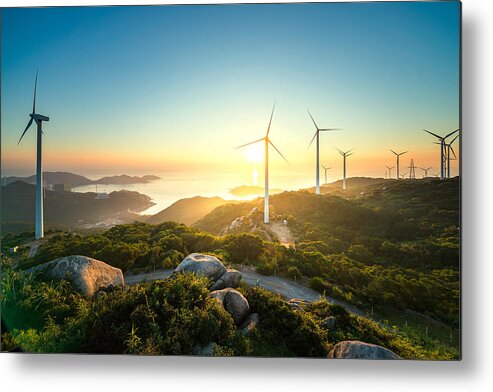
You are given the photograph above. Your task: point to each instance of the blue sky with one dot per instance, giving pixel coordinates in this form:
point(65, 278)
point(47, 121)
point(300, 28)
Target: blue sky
point(168, 87)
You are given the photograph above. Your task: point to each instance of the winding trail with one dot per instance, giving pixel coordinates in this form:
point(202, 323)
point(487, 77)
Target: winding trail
point(285, 287)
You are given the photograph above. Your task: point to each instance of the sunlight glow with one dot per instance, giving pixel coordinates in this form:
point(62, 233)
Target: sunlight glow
point(254, 153)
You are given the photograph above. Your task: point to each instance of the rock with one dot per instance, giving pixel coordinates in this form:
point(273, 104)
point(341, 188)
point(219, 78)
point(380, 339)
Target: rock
point(353, 349)
point(234, 303)
point(231, 278)
point(204, 351)
point(250, 323)
point(86, 274)
point(330, 322)
point(205, 265)
point(297, 303)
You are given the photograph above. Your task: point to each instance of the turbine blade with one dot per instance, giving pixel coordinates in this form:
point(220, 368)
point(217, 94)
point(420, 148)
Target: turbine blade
point(247, 144)
point(35, 85)
point(324, 167)
point(270, 121)
point(453, 140)
point(405, 152)
point(272, 144)
point(316, 126)
point(313, 138)
point(330, 129)
point(434, 134)
point(25, 130)
point(394, 152)
point(340, 151)
point(451, 133)
point(453, 152)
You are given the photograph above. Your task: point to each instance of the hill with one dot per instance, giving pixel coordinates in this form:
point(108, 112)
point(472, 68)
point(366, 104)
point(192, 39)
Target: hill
point(52, 178)
point(68, 208)
point(188, 211)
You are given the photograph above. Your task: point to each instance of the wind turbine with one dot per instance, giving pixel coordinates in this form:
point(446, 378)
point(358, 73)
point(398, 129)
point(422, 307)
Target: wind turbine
point(390, 170)
point(344, 156)
point(450, 149)
point(38, 118)
point(425, 174)
point(443, 151)
point(398, 156)
point(317, 135)
point(325, 169)
point(267, 141)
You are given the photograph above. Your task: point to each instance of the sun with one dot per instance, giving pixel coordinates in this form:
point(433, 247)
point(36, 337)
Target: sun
point(254, 153)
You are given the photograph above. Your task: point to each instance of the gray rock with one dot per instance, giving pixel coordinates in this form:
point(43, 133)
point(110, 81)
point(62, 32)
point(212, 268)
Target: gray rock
point(231, 278)
point(297, 303)
point(204, 351)
point(205, 265)
point(353, 349)
point(250, 323)
point(86, 274)
point(330, 322)
point(234, 303)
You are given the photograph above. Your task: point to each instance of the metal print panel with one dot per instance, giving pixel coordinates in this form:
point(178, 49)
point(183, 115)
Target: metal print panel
point(269, 180)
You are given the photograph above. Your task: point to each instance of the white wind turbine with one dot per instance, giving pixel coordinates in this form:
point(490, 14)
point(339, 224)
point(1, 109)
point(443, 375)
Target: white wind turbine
point(267, 141)
point(425, 171)
point(317, 136)
point(325, 170)
point(390, 170)
point(398, 156)
point(443, 151)
point(344, 154)
point(38, 118)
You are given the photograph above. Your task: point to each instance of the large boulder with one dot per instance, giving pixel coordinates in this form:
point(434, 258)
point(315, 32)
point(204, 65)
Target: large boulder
point(234, 303)
point(231, 278)
point(87, 275)
point(205, 265)
point(353, 349)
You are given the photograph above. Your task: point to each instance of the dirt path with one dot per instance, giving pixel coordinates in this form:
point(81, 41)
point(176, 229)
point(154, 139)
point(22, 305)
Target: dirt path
point(282, 232)
point(285, 287)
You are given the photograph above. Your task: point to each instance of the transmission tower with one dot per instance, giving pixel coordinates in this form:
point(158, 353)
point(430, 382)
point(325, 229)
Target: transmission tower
point(412, 170)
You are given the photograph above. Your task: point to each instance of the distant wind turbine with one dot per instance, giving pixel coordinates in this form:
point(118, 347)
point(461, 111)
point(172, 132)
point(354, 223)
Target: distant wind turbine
point(267, 141)
point(449, 150)
point(317, 136)
point(425, 174)
point(344, 156)
point(326, 169)
point(38, 118)
point(398, 156)
point(390, 170)
point(443, 150)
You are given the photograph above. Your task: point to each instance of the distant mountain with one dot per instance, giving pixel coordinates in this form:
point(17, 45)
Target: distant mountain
point(188, 211)
point(124, 180)
point(352, 183)
point(76, 180)
point(249, 190)
point(69, 208)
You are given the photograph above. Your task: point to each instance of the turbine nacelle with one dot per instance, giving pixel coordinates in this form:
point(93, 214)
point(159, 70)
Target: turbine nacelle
point(39, 117)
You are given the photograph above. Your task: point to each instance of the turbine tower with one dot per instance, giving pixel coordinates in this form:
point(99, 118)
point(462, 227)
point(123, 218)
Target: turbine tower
point(266, 141)
point(398, 156)
point(317, 135)
point(390, 170)
point(38, 118)
point(425, 171)
point(326, 169)
point(412, 170)
point(344, 156)
point(443, 150)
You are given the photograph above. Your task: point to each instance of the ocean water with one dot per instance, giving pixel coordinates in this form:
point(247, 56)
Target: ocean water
point(173, 187)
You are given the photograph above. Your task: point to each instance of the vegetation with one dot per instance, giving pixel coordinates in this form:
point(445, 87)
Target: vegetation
point(176, 317)
point(390, 248)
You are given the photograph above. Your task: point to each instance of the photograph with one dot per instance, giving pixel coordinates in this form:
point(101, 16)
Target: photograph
point(232, 180)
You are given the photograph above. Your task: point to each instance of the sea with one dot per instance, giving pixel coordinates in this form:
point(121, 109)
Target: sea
point(172, 187)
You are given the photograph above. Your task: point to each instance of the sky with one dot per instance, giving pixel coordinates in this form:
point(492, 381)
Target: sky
point(177, 88)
